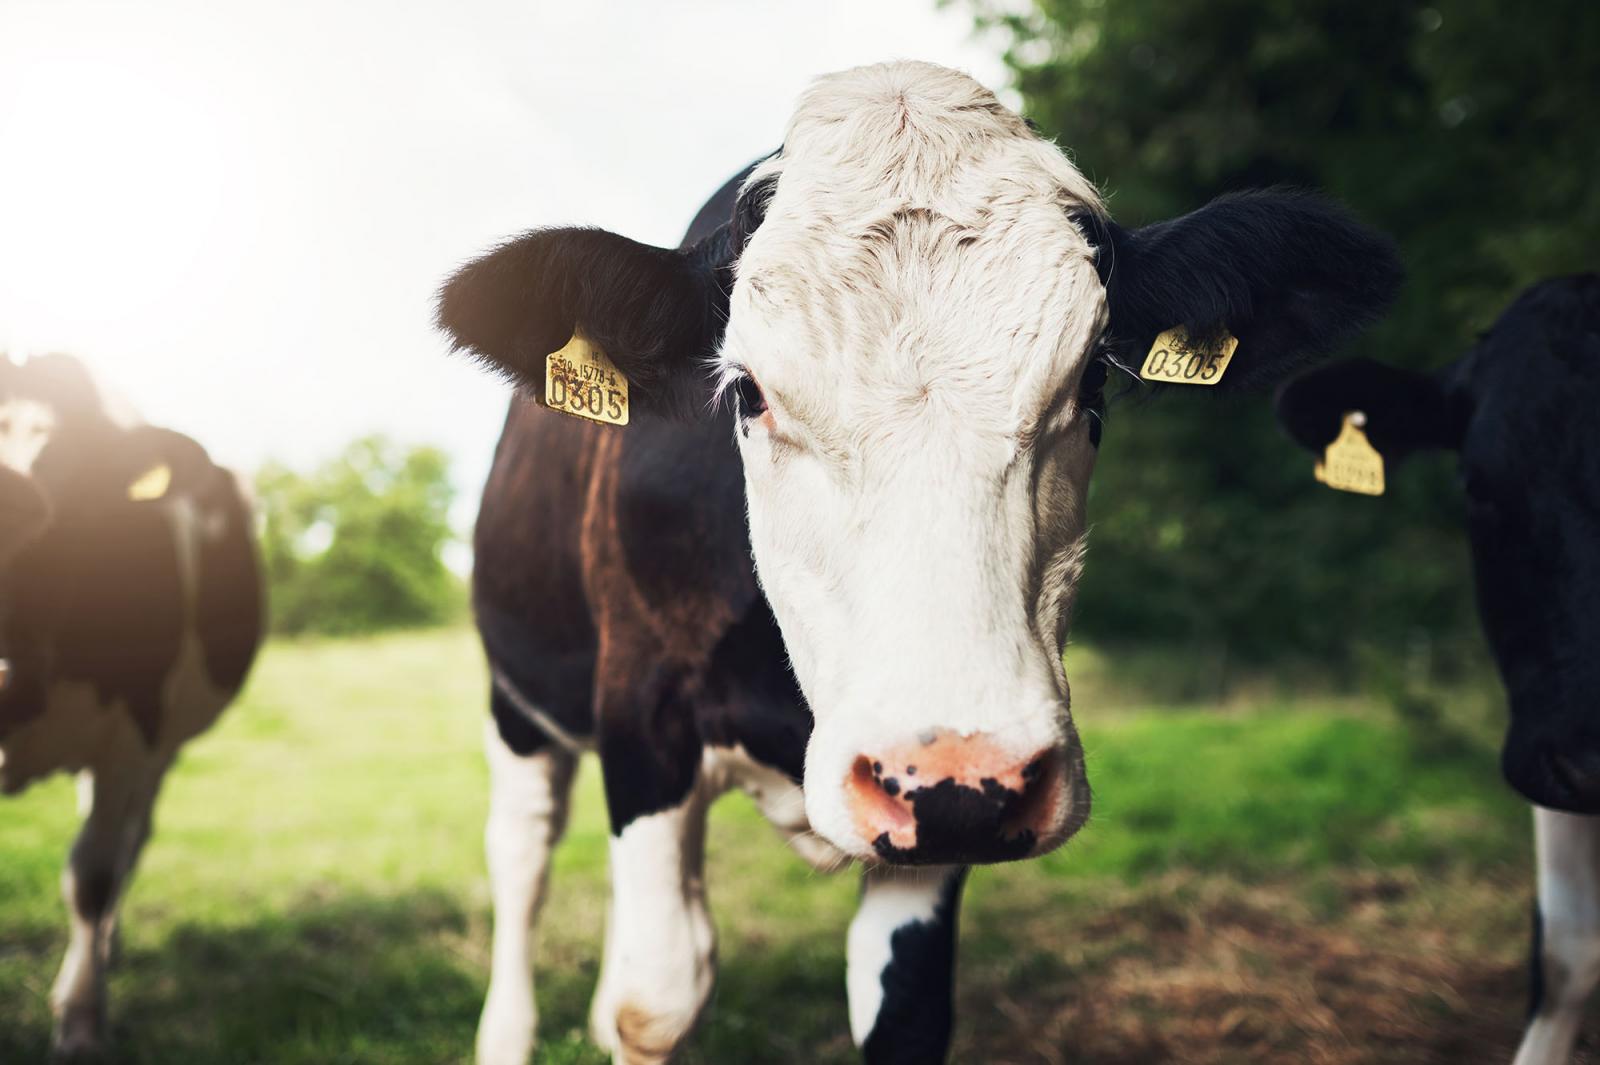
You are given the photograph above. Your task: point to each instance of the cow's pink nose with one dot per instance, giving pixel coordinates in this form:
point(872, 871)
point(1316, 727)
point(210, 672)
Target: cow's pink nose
point(954, 798)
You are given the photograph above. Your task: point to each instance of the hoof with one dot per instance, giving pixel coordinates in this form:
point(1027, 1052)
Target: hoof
point(78, 1050)
point(79, 1035)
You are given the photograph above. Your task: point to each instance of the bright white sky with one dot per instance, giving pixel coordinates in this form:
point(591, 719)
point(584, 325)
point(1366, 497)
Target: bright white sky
point(239, 212)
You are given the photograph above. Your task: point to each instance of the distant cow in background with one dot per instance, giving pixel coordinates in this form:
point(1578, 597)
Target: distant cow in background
point(887, 344)
point(130, 611)
point(1522, 409)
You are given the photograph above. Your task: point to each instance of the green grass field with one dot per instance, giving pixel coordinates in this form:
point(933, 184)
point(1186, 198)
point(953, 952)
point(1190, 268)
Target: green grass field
point(1278, 879)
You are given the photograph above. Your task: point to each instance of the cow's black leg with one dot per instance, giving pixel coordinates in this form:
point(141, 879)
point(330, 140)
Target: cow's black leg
point(530, 782)
point(902, 964)
point(116, 801)
point(1566, 944)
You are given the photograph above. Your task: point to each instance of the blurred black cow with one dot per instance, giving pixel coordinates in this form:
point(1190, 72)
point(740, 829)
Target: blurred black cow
point(1520, 408)
point(130, 611)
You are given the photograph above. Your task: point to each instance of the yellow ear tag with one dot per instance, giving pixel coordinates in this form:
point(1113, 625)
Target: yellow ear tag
point(1351, 463)
point(152, 484)
point(580, 380)
point(1176, 360)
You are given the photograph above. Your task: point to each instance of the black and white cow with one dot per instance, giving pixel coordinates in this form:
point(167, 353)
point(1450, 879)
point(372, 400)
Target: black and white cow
point(1520, 409)
point(130, 611)
point(885, 345)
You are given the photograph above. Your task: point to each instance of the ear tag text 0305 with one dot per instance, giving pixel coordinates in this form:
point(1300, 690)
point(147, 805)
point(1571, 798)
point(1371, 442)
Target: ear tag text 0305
point(151, 484)
point(1175, 359)
point(1351, 463)
point(581, 381)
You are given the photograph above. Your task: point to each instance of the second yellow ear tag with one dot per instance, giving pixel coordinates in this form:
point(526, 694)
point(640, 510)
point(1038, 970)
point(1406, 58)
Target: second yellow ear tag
point(152, 484)
point(1174, 359)
point(580, 380)
point(1351, 463)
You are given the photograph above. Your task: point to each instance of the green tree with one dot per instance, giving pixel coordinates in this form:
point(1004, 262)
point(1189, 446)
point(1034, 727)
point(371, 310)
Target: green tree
point(355, 545)
point(1467, 131)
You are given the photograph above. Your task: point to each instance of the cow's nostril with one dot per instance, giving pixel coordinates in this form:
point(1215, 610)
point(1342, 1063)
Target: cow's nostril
point(877, 804)
point(1034, 806)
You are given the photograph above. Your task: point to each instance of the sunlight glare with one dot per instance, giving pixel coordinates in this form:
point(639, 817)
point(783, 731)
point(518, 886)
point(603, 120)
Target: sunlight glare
point(120, 176)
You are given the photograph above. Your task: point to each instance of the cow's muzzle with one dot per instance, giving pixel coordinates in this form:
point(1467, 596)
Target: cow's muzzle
point(948, 798)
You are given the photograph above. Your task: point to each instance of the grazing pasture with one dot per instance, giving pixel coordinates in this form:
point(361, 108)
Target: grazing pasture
point(1268, 877)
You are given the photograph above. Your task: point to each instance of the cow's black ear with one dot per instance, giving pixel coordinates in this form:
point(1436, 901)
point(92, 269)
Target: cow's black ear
point(657, 313)
point(24, 512)
point(1289, 273)
point(156, 462)
point(1406, 411)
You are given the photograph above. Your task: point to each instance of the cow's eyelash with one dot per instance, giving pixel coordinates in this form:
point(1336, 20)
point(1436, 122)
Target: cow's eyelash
point(749, 401)
point(752, 401)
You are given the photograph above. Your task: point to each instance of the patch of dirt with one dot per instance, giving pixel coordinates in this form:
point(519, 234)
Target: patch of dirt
point(1202, 972)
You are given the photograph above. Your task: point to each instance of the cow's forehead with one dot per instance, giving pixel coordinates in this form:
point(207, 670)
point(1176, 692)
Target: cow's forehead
point(866, 143)
point(918, 239)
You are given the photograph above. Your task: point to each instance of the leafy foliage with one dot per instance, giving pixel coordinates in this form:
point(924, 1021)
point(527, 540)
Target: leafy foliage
point(355, 545)
point(1467, 134)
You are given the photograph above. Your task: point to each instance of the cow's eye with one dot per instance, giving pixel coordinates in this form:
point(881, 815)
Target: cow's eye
point(1093, 381)
point(752, 404)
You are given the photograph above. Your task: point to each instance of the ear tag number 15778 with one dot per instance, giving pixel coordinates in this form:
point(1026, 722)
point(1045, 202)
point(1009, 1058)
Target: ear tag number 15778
point(581, 381)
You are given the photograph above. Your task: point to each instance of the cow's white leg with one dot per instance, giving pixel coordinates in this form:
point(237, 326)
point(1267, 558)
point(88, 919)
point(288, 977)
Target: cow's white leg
point(1566, 958)
point(902, 952)
point(660, 957)
point(527, 813)
point(116, 801)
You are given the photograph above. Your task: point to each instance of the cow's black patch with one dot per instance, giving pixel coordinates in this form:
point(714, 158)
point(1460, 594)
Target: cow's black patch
point(104, 583)
point(93, 890)
point(917, 1014)
point(528, 597)
point(649, 753)
point(956, 823)
point(751, 697)
point(517, 729)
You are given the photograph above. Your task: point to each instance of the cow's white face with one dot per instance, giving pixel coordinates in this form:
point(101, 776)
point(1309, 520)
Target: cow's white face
point(916, 482)
point(25, 428)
